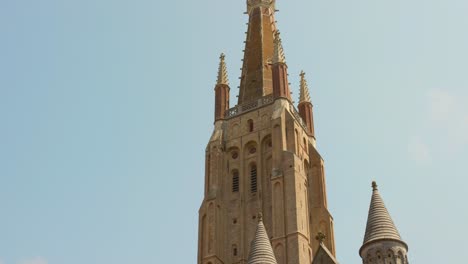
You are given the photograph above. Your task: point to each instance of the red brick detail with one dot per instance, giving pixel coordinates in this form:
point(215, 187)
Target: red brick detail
point(280, 81)
point(305, 111)
point(221, 101)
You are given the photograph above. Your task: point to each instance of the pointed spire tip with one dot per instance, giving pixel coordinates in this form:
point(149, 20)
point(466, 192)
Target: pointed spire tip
point(278, 53)
point(222, 71)
point(304, 95)
point(374, 186)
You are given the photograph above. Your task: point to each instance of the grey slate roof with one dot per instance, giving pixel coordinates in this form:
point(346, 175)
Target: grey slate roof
point(379, 223)
point(260, 248)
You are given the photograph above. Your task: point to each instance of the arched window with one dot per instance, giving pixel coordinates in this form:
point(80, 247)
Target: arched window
point(235, 181)
point(234, 250)
point(250, 125)
point(253, 178)
point(391, 256)
point(401, 258)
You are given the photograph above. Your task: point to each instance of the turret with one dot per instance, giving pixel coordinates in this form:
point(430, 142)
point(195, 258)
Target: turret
point(280, 70)
point(382, 242)
point(221, 90)
point(305, 106)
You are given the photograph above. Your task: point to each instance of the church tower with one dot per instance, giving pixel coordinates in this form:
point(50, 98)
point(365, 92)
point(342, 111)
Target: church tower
point(262, 158)
point(382, 242)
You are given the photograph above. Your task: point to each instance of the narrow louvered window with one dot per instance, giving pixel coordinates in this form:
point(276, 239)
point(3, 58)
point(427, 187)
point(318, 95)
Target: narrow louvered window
point(253, 179)
point(235, 181)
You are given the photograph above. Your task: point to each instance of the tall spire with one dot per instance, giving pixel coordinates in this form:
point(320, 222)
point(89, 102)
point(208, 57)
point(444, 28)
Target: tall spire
point(260, 248)
point(256, 78)
point(304, 95)
point(379, 223)
point(278, 56)
point(222, 71)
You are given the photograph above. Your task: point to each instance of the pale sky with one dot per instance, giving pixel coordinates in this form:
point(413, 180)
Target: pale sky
point(106, 107)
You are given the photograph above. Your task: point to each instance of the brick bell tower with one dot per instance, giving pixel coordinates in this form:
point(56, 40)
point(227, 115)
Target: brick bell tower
point(262, 159)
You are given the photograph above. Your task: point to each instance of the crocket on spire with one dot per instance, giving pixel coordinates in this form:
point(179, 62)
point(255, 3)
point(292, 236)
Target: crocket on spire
point(278, 55)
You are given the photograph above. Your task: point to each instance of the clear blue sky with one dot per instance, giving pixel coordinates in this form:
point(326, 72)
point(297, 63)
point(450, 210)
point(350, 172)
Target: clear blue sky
point(106, 107)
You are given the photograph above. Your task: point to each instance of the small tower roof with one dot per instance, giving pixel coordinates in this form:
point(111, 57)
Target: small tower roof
point(260, 248)
point(379, 223)
point(304, 95)
point(278, 54)
point(222, 71)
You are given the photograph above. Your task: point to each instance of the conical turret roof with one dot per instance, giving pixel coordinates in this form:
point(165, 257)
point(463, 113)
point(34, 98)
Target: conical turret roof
point(260, 249)
point(379, 223)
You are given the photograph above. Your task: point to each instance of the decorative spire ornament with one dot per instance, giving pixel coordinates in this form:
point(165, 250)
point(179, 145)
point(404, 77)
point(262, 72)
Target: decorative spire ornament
point(305, 106)
point(320, 237)
point(221, 90)
point(304, 95)
point(222, 71)
point(278, 55)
